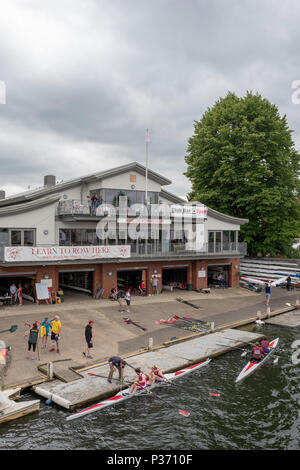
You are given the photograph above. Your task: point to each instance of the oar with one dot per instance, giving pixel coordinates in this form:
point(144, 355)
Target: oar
point(11, 329)
point(128, 321)
point(190, 320)
point(180, 299)
point(241, 349)
point(104, 377)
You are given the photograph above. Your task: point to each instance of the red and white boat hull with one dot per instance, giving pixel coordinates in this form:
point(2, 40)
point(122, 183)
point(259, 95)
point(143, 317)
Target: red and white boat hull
point(252, 366)
point(124, 394)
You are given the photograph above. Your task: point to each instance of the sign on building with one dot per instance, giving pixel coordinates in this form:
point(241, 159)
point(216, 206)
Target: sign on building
point(56, 253)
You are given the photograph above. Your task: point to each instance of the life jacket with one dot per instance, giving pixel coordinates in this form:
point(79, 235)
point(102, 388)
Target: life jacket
point(256, 352)
point(265, 345)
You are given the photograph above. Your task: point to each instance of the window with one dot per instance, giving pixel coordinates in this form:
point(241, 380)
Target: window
point(111, 196)
point(78, 237)
point(4, 238)
point(20, 237)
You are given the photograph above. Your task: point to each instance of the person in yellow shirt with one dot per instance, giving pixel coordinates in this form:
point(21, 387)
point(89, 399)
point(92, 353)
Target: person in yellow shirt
point(56, 327)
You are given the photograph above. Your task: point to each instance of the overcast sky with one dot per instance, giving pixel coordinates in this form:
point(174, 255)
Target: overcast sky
point(85, 78)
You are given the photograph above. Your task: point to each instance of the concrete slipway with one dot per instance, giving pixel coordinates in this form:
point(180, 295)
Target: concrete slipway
point(88, 388)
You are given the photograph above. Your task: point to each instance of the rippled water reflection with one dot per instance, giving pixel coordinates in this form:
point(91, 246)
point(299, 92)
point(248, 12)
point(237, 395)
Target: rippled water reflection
point(260, 413)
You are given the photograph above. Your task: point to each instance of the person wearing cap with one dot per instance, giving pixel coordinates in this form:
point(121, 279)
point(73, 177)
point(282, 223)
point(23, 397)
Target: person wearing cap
point(88, 338)
point(155, 375)
point(56, 327)
point(116, 362)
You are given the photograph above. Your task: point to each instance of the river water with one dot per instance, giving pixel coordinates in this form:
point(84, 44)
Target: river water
point(261, 412)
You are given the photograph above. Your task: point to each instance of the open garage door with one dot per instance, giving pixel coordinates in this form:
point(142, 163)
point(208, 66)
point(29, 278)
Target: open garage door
point(25, 279)
point(77, 280)
point(175, 277)
point(218, 275)
point(131, 279)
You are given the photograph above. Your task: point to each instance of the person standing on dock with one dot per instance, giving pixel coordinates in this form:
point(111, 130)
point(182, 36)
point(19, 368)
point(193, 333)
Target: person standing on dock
point(19, 295)
point(56, 327)
point(119, 363)
point(127, 300)
point(32, 340)
point(268, 293)
point(119, 296)
point(45, 330)
point(88, 338)
point(13, 293)
point(289, 282)
point(154, 282)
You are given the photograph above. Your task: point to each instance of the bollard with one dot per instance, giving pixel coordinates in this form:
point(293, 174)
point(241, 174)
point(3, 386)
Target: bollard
point(258, 314)
point(50, 371)
point(212, 326)
point(268, 312)
point(150, 344)
point(297, 303)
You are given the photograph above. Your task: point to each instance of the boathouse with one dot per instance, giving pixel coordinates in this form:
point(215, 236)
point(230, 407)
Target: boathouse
point(50, 235)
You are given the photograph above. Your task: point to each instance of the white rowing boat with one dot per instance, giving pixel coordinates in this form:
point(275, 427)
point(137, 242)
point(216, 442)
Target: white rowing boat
point(253, 366)
point(125, 395)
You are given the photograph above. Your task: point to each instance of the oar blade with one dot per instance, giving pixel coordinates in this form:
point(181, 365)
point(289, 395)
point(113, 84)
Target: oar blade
point(13, 328)
point(184, 413)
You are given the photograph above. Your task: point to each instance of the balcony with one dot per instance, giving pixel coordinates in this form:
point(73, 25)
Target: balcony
point(177, 250)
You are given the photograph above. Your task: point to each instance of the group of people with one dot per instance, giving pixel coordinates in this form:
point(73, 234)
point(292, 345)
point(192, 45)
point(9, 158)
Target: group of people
point(94, 202)
point(142, 381)
point(44, 330)
point(118, 295)
point(16, 294)
point(259, 351)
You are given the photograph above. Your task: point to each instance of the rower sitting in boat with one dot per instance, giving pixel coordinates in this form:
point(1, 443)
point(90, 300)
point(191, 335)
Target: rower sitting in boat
point(141, 382)
point(265, 346)
point(155, 375)
point(256, 353)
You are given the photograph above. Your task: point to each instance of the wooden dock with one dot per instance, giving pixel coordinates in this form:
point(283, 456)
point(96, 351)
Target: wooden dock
point(71, 395)
point(290, 319)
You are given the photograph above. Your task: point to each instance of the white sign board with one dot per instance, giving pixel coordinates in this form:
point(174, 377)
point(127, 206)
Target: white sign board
point(47, 282)
point(55, 253)
point(42, 292)
point(200, 212)
point(202, 273)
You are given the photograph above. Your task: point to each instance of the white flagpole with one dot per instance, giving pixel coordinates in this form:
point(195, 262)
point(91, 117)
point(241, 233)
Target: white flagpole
point(147, 140)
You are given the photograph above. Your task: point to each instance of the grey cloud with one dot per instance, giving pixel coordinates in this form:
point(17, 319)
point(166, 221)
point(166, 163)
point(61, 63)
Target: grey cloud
point(84, 80)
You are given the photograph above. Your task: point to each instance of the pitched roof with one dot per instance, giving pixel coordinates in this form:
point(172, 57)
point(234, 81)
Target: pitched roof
point(60, 187)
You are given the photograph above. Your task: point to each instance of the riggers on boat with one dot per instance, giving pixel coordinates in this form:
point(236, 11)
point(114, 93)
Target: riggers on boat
point(253, 366)
point(125, 395)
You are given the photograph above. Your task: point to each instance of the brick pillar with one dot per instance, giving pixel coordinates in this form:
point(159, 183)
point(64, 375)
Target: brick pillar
point(108, 281)
point(233, 277)
point(199, 282)
point(51, 272)
point(189, 275)
point(97, 278)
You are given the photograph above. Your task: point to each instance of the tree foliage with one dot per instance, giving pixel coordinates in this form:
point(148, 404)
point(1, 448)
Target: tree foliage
point(242, 161)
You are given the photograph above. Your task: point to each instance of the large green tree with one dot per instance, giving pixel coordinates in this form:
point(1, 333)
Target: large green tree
point(242, 161)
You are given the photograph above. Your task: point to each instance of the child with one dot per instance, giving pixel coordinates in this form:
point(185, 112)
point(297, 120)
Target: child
point(127, 299)
point(45, 329)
